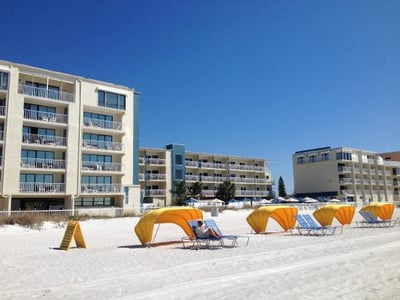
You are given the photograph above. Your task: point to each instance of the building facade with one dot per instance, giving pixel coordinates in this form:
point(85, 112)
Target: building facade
point(355, 175)
point(66, 141)
point(160, 168)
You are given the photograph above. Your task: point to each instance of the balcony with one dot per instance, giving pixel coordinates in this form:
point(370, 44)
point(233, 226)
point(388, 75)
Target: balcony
point(192, 177)
point(46, 93)
point(155, 192)
point(206, 165)
point(101, 166)
point(155, 176)
point(345, 181)
point(190, 163)
point(155, 161)
point(37, 163)
point(96, 123)
point(2, 110)
point(41, 187)
point(45, 116)
point(101, 188)
point(344, 169)
point(1, 135)
point(30, 138)
point(102, 145)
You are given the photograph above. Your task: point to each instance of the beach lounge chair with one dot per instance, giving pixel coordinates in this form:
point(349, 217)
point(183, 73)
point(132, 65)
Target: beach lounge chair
point(233, 239)
point(304, 227)
point(326, 229)
point(196, 242)
point(369, 220)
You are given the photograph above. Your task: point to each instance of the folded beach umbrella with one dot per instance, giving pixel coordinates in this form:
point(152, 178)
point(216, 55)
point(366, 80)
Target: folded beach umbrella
point(176, 215)
point(283, 215)
point(343, 213)
point(382, 210)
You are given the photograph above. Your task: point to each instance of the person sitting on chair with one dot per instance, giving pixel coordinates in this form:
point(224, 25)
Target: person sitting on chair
point(202, 231)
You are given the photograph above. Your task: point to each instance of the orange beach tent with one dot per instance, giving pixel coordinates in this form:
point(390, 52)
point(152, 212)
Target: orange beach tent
point(175, 215)
point(283, 215)
point(380, 209)
point(343, 213)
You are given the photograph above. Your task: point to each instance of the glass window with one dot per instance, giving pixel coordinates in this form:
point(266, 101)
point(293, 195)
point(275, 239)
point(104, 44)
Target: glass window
point(102, 98)
point(178, 174)
point(3, 81)
point(178, 159)
point(112, 100)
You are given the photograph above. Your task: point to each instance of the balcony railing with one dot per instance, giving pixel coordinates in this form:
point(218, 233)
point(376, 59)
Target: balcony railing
point(102, 124)
point(95, 144)
point(1, 135)
point(42, 163)
point(2, 110)
point(29, 138)
point(192, 177)
point(155, 161)
point(45, 93)
point(101, 166)
point(190, 163)
point(41, 187)
point(155, 192)
point(155, 176)
point(101, 188)
point(45, 116)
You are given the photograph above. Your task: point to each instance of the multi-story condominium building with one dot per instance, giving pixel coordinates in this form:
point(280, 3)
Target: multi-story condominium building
point(356, 175)
point(160, 168)
point(66, 141)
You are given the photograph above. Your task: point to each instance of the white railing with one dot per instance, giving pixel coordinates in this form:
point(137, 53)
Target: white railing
point(95, 144)
point(156, 176)
point(90, 122)
point(155, 161)
point(42, 163)
point(101, 166)
point(45, 116)
point(159, 192)
point(101, 188)
point(29, 138)
point(46, 93)
point(41, 187)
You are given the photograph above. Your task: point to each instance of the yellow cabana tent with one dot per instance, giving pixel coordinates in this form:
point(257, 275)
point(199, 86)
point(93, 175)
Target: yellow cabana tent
point(175, 215)
point(381, 210)
point(343, 213)
point(284, 215)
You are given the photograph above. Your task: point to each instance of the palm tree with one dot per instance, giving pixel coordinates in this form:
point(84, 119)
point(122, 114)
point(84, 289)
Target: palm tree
point(226, 191)
point(196, 189)
point(179, 192)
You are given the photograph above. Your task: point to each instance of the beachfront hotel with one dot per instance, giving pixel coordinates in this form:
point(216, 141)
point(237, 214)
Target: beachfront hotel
point(356, 175)
point(160, 168)
point(66, 141)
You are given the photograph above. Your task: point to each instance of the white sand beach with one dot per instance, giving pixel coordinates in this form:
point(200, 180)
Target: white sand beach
point(360, 263)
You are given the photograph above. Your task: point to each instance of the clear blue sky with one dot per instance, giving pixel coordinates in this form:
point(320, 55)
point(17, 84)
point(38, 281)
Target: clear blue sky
point(251, 78)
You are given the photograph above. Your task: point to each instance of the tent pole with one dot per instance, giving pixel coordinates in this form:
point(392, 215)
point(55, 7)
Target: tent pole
point(154, 238)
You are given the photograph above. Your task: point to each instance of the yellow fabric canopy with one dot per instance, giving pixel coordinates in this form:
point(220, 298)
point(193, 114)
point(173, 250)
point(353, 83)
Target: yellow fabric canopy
point(381, 210)
point(175, 215)
point(343, 213)
point(283, 215)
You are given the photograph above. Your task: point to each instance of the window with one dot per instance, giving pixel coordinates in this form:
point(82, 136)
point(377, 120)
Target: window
point(97, 201)
point(324, 156)
point(111, 100)
point(300, 160)
point(3, 81)
point(178, 174)
point(312, 158)
point(343, 156)
point(178, 159)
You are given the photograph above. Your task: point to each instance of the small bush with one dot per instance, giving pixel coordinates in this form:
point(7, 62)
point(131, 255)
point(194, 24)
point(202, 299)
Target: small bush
point(33, 221)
